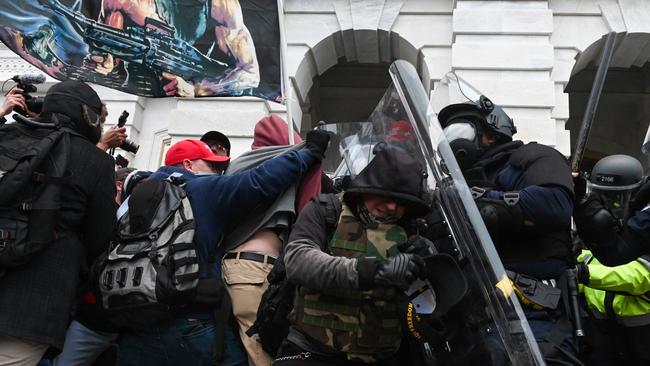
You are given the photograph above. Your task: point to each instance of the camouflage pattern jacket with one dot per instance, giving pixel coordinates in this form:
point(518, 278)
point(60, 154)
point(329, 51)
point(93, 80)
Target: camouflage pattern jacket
point(332, 306)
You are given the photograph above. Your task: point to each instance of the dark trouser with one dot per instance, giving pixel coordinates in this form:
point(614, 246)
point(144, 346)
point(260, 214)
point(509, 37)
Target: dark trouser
point(553, 332)
point(292, 355)
point(182, 341)
point(608, 343)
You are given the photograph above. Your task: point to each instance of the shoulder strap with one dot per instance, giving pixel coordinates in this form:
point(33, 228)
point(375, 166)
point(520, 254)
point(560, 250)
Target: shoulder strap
point(330, 205)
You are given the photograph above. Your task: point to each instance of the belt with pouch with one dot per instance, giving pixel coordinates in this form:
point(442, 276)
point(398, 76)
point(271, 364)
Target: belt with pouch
point(534, 293)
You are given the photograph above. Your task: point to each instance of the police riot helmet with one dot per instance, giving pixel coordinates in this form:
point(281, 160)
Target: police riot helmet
point(466, 123)
point(615, 177)
point(490, 116)
point(616, 173)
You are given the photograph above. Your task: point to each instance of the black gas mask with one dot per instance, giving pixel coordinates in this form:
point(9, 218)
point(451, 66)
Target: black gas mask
point(616, 201)
point(465, 141)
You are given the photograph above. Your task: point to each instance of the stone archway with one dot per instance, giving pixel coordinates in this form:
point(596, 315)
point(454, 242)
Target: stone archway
point(343, 76)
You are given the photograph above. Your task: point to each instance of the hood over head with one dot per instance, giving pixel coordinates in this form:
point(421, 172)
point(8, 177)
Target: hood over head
point(68, 98)
point(272, 130)
point(392, 173)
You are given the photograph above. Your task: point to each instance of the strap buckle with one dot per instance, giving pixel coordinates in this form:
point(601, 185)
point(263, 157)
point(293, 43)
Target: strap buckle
point(511, 198)
point(477, 192)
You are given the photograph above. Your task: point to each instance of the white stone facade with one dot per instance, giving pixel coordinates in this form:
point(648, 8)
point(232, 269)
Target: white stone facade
point(519, 53)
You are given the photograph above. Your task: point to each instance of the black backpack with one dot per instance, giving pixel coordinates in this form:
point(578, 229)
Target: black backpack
point(34, 160)
point(272, 323)
point(152, 267)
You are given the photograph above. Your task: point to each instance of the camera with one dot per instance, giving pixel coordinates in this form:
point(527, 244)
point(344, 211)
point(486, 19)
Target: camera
point(127, 145)
point(26, 83)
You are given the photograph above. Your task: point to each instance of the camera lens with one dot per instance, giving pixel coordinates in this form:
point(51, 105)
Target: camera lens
point(130, 146)
point(35, 105)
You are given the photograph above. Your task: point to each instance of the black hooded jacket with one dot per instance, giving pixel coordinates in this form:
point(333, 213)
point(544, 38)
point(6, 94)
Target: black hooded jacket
point(65, 102)
point(392, 173)
point(37, 298)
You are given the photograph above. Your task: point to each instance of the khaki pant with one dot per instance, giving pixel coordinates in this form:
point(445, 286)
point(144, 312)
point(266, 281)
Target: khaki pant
point(17, 352)
point(246, 283)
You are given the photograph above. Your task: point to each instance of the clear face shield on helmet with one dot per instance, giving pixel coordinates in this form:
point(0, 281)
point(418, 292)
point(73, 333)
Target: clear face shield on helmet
point(452, 89)
point(472, 121)
point(617, 201)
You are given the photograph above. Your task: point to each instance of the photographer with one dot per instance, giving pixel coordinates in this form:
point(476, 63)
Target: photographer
point(38, 296)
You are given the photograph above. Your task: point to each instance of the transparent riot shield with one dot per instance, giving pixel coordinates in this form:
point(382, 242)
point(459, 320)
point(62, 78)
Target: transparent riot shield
point(487, 325)
point(491, 304)
point(645, 147)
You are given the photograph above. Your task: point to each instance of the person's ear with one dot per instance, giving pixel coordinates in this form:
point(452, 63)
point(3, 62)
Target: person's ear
point(187, 164)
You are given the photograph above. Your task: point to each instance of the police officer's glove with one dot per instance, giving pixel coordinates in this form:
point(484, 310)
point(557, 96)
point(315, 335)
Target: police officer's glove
point(641, 199)
point(317, 141)
point(500, 217)
point(579, 186)
point(400, 271)
point(595, 223)
point(582, 273)
point(417, 244)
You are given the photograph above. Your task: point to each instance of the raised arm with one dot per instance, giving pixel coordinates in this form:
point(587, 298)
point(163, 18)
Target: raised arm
point(233, 39)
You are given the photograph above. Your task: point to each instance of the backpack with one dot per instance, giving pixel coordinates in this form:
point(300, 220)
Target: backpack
point(34, 159)
point(152, 267)
point(272, 323)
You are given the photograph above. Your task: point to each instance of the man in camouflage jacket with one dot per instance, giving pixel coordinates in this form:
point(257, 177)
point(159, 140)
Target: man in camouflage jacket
point(348, 278)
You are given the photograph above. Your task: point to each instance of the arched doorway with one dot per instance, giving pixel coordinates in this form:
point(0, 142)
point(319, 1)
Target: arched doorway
point(338, 83)
point(623, 111)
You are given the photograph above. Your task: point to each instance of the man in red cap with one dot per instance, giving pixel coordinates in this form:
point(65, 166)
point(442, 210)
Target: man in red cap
point(218, 203)
point(195, 156)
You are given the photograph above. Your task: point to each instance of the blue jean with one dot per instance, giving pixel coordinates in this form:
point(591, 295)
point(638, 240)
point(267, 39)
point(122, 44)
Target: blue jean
point(82, 346)
point(178, 342)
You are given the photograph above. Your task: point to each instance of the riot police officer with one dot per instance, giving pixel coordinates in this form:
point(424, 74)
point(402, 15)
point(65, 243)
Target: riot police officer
point(615, 227)
point(524, 193)
point(617, 327)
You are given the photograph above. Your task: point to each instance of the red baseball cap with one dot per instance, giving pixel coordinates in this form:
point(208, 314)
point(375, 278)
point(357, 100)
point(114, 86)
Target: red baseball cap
point(400, 131)
point(192, 150)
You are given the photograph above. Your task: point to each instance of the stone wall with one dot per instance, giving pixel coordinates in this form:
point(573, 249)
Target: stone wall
point(520, 53)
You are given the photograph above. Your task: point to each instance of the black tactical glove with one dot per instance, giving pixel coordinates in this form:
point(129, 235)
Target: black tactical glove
point(417, 244)
point(641, 199)
point(595, 223)
point(400, 271)
point(579, 187)
point(499, 217)
point(582, 273)
point(317, 141)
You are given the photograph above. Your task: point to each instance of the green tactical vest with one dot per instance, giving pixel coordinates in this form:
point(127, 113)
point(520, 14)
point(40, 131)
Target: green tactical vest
point(363, 324)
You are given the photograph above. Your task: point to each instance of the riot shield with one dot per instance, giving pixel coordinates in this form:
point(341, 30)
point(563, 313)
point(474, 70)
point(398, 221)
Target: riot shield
point(491, 304)
point(645, 146)
point(487, 326)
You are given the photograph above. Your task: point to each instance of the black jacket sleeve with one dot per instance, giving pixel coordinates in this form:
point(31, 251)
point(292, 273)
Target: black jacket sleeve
point(100, 218)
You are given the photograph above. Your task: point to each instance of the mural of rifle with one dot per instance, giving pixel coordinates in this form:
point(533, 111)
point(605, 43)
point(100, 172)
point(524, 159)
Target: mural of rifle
point(153, 45)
